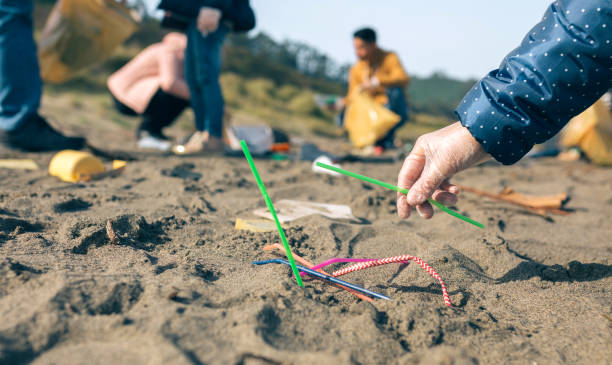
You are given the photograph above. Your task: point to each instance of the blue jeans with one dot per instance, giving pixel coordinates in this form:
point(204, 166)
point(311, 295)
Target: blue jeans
point(202, 69)
point(20, 84)
point(397, 104)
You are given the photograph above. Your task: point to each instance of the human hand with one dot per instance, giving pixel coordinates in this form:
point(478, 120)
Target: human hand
point(208, 20)
point(436, 157)
point(370, 84)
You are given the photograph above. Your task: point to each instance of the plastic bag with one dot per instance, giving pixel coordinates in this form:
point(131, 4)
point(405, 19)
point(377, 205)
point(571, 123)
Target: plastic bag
point(592, 132)
point(81, 33)
point(367, 121)
point(259, 138)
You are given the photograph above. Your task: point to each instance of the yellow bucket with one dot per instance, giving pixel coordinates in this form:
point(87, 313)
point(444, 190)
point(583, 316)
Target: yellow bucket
point(73, 166)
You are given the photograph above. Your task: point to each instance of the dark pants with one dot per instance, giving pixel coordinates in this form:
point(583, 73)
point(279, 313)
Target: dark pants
point(397, 104)
point(202, 69)
point(20, 83)
point(162, 110)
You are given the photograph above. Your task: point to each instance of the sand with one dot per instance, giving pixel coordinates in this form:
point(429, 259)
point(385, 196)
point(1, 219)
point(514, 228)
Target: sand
point(177, 285)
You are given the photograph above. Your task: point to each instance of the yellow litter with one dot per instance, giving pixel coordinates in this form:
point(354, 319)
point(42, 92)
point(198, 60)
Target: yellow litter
point(255, 225)
point(367, 121)
point(75, 166)
point(18, 164)
point(592, 132)
point(82, 33)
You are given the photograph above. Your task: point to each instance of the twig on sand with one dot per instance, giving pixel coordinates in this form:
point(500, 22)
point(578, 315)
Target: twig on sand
point(110, 232)
point(541, 205)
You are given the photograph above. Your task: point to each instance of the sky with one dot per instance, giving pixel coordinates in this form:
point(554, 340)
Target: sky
point(465, 39)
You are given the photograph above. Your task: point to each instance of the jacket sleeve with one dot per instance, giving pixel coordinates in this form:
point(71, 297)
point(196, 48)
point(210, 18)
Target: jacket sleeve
point(393, 73)
point(561, 67)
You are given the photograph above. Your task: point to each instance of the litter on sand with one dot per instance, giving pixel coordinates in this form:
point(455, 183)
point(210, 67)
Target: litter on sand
point(18, 164)
point(254, 225)
point(264, 193)
point(310, 265)
point(324, 277)
point(290, 210)
point(362, 264)
point(401, 190)
point(326, 160)
point(78, 166)
point(538, 204)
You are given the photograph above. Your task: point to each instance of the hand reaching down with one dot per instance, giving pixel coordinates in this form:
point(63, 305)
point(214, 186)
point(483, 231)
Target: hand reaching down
point(436, 157)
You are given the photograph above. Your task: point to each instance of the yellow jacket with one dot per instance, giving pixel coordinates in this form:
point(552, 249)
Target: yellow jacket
point(388, 70)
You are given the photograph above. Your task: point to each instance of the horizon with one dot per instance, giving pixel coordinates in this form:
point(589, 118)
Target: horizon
point(466, 43)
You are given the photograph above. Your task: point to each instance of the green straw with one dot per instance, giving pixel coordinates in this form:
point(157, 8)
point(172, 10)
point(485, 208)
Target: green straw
point(401, 190)
point(262, 188)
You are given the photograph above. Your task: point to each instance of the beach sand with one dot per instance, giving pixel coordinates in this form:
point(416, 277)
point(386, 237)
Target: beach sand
point(177, 285)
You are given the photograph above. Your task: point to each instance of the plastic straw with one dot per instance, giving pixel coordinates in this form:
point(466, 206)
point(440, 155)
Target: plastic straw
point(400, 190)
point(336, 260)
point(325, 277)
point(262, 188)
point(309, 265)
point(402, 259)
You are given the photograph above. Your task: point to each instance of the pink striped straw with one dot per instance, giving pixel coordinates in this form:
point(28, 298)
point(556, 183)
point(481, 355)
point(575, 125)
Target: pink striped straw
point(389, 260)
point(335, 260)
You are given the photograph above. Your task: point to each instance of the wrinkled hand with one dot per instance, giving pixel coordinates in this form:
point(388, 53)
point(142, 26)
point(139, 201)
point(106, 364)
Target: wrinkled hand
point(436, 157)
point(208, 20)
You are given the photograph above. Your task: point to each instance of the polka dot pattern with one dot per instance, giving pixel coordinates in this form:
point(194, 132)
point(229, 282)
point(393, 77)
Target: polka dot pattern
point(562, 66)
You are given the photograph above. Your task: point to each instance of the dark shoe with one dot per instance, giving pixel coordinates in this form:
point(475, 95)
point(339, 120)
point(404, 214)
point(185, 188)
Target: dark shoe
point(144, 132)
point(37, 135)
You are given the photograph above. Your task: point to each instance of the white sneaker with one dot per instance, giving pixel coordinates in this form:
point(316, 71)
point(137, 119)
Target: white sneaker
point(149, 142)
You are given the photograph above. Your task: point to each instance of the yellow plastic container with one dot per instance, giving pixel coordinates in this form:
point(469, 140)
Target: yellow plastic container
point(74, 166)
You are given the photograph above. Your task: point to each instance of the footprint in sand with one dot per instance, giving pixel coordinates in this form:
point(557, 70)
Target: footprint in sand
point(72, 205)
point(128, 230)
point(94, 297)
point(12, 226)
point(343, 233)
point(183, 171)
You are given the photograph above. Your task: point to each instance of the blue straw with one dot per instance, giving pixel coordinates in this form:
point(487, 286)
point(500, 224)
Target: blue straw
point(324, 277)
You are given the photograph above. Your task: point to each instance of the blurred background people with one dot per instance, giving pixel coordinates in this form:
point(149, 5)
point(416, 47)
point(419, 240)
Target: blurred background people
point(153, 86)
point(21, 127)
point(380, 74)
point(208, 22)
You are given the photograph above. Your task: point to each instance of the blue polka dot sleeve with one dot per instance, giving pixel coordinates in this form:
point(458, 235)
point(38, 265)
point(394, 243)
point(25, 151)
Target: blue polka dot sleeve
point(561, 67)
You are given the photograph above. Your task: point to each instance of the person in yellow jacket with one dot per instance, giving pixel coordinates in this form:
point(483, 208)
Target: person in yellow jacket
point(381, 75)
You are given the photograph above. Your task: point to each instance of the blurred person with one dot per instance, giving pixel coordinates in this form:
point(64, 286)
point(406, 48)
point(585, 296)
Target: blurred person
point(21, 127)
point(380, 74)
point(152, 85)
point(562, 66)
point(208, 22)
